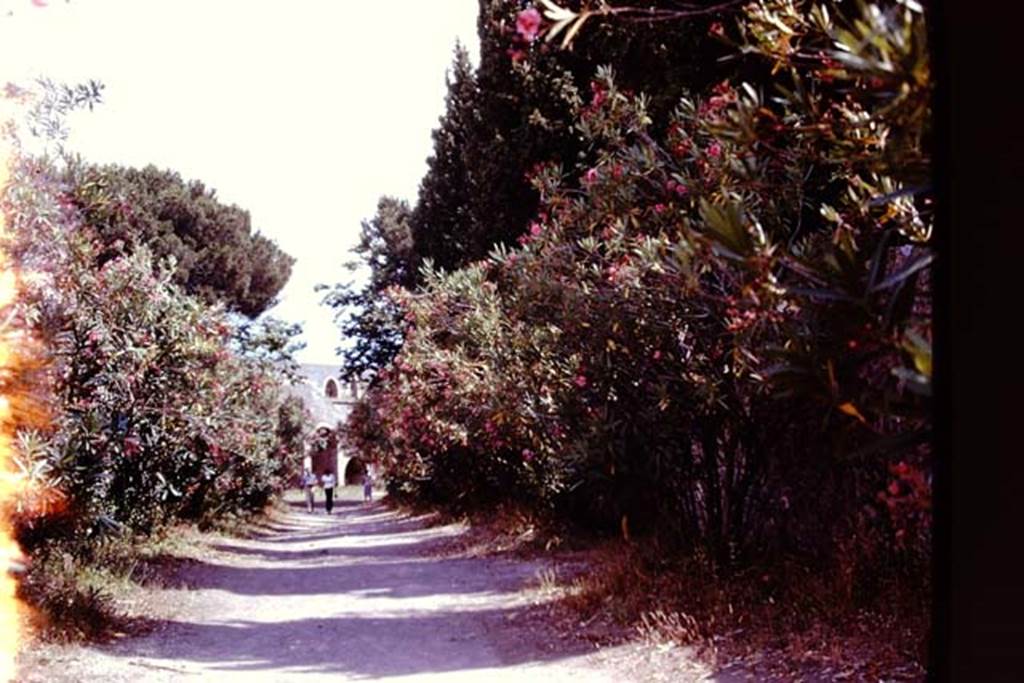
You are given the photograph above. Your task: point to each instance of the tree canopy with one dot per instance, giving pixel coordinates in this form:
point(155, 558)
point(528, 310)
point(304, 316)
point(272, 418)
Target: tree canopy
point(367, 316)
point(517, 110)
point(716, 316)
point(218, 256)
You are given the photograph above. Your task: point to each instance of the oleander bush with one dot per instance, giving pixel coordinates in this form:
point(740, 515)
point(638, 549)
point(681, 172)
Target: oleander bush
point(138, 404)
point(716, 330)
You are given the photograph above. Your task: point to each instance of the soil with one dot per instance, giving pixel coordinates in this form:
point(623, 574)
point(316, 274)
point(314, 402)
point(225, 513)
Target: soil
point(365, 593)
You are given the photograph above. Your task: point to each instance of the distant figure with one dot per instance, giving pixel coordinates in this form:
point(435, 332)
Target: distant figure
point(367, 487)
point(308, 482)
point(328, 481)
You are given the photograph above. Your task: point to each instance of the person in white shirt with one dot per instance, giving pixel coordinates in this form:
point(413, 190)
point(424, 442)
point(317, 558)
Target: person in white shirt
point(308, 482)
point(367, 486)
point(328, 481)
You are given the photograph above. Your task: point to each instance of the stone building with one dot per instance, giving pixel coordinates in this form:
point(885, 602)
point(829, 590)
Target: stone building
point(329, 401)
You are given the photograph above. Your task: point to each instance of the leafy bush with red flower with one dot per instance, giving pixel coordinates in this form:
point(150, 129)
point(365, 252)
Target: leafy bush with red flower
point(718, 330)
point(155, 411)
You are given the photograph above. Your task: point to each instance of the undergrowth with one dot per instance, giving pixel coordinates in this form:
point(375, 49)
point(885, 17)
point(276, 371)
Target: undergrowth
point(88, 595)
point(841, 615)
point(784, 608)
point(505, 528)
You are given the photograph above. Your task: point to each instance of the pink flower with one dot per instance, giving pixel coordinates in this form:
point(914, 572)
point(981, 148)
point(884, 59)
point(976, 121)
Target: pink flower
point(535, 229)
point(657, 355)
point(528, 24)
point(517, 55)
point(716, 29)
point(590, 176)
point(681, 189)
point(580, 381)
point(527, 454)
point(132, 446)
point(714, 150)
point(659, 208)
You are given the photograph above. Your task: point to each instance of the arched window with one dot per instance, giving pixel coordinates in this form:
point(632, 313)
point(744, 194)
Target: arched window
point(331, 389)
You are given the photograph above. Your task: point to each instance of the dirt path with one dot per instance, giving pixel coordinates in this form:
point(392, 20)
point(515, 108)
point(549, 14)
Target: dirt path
point(357, 595)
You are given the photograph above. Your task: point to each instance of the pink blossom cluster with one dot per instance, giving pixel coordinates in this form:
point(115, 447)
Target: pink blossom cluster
point(528, 25)
point(676, 188)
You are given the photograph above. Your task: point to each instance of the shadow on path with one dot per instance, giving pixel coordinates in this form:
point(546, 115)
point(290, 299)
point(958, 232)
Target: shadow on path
point(363, 646)
point(351, 593)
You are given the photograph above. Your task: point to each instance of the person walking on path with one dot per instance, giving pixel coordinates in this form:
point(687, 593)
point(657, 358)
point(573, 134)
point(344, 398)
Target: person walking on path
point(367, 487)
point(308, 482)
point(328, 481)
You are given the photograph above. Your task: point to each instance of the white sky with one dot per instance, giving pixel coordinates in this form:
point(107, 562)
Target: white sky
point(303, 112)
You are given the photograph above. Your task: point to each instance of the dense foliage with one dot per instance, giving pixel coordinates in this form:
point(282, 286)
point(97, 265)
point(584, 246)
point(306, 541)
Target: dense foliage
point(139, 394)
point(158, 406)
point(514, 111)
point(217, 255)
point(366, 316)
point(715, 328)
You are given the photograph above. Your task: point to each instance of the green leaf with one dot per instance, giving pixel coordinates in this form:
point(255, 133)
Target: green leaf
point(574, 30)
point(726, 225)
point(920, 350)
point(915, 381)
point(921, 262)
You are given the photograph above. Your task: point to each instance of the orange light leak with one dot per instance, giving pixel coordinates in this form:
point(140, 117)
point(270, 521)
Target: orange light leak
point(10, 482)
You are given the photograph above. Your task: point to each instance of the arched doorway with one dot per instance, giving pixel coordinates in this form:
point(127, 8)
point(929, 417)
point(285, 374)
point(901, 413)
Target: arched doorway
point(354, 471)
point(323, 450)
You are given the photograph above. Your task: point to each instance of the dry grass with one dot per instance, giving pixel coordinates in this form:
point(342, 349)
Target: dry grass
point(784, 621)
point(72, 601)
point(509, 529)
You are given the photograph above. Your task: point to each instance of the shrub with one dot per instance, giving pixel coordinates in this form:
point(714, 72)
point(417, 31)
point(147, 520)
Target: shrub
point(718, 331)
point(159, 408)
